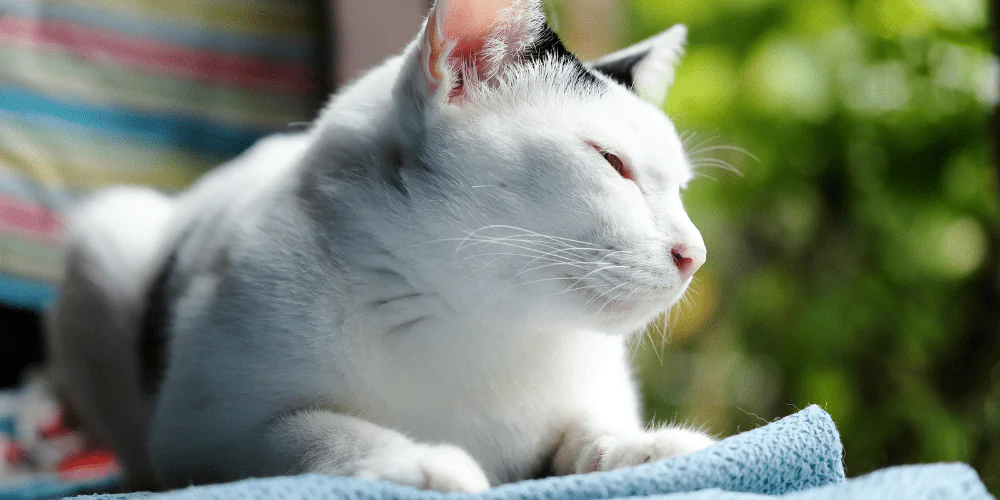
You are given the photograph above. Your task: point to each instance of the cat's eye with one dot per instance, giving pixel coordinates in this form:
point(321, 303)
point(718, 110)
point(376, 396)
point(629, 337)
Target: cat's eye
point(616, 162)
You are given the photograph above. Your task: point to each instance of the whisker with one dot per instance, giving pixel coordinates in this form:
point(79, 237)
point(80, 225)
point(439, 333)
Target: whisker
point(470, 243)
point(664, 333)
point(570, 290)
point(533, 233)
point(553, 256)
point(724, 147)
point(520, 247)
point(603, 269)
point(556, 253)
point(557, 263)
point(516, 242)
point(652, 344)
point(534, 258)
point(605, 293)
point(634, 289)
point(699, 154)
point(704, 141)
point(562, 278)
point(687, 136)
point(608, 302)
point(480, 268)
point(711, 162)
point(715, 162)
point(629, 282)
point(701, 144)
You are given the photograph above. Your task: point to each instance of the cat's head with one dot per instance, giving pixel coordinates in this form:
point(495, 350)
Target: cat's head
point(551, 187)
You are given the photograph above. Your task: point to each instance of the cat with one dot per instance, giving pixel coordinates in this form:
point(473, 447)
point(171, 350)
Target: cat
point(434, 284)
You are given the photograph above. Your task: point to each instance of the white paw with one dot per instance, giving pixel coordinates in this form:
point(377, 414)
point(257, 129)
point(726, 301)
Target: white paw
point(610, 453)
point(443, 468)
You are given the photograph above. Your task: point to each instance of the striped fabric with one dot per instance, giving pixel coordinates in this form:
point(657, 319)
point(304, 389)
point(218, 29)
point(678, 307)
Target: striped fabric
point(153, 92)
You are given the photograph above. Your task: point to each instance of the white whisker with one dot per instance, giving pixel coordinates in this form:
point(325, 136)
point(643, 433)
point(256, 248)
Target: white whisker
point(724, 147)
point(715, 162)
point(529, 232)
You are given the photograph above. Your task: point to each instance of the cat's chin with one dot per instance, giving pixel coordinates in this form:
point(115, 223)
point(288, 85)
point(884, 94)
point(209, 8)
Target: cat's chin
point(632, 308)
point(626, 318)
point(621, 327)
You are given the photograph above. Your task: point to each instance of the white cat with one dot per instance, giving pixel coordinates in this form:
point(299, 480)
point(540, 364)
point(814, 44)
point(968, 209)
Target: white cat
point(434, 285)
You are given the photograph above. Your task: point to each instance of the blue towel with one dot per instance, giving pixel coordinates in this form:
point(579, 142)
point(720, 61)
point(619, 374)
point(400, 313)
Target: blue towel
point(915, 482)
point(799, 456)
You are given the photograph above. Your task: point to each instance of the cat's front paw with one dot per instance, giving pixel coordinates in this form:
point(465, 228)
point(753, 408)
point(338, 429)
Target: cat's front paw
point(443, 468)
point(609, 452)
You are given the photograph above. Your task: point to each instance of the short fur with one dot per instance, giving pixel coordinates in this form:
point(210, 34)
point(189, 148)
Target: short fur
point(434, 285)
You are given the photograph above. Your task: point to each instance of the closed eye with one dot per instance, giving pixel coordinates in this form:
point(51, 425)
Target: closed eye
point(616, 163)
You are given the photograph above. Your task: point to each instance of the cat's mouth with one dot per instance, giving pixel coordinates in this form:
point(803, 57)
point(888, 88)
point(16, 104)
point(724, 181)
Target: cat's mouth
point(609, 302)
point(619, 299)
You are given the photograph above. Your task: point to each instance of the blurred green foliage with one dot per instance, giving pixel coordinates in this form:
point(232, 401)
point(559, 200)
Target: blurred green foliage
point(854, 264)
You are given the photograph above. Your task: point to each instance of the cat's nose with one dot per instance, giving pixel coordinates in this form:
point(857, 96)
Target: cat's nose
point(688, 259)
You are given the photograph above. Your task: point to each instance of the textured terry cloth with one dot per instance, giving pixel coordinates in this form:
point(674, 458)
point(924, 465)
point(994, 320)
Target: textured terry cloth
point(915, 482)
point(796, 453)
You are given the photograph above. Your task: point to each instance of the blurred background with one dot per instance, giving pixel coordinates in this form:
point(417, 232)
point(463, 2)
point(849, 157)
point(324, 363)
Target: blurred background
point(854, 264)
point(854, 258)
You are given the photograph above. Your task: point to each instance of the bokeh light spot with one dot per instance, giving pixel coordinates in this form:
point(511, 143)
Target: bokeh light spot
point(877, 89)
point(956, 14)
point(962, 247)
point(785, 77)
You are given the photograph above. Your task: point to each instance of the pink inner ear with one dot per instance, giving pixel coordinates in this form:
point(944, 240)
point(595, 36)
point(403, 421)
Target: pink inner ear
point(469, 22)
point(465, 25)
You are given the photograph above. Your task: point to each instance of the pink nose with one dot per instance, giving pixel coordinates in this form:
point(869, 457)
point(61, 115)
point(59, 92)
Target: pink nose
point(688, 259)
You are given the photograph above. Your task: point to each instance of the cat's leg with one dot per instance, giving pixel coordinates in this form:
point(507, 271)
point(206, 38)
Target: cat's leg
point(324, 442)
point(589, 447)
point(604, 430)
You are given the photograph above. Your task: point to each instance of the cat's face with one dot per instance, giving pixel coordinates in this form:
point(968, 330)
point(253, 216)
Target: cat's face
point(559, 188)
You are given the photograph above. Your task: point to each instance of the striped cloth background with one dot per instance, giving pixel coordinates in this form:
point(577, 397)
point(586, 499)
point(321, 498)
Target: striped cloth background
point(153, 92)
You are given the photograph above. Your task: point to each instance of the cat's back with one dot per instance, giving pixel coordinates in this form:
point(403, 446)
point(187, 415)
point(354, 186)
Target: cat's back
point(232, 191)
point(222, 214)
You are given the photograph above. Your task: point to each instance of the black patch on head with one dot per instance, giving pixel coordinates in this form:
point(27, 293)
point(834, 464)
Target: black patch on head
point(548, 44)
point(621, 70)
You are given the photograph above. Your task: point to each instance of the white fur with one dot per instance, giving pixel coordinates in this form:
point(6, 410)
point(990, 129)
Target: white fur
point(468, 332)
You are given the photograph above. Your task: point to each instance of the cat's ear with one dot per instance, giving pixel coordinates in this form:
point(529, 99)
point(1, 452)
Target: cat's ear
point(647, 67)
point(470, 42)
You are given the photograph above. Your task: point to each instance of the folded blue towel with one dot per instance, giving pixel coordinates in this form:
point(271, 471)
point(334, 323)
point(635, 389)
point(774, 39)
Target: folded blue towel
point(799, 456)
point(915, 482)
